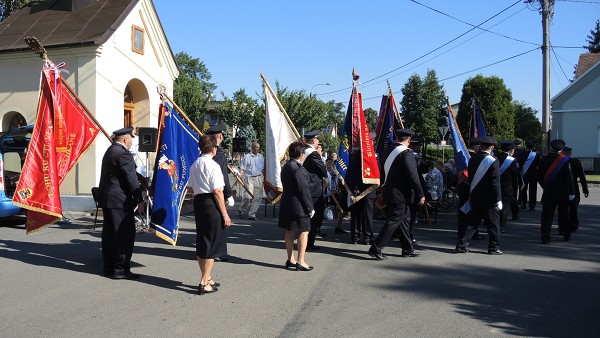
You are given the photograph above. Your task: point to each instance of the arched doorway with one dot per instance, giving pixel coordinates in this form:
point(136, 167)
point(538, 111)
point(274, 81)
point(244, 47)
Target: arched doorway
point(136, 104)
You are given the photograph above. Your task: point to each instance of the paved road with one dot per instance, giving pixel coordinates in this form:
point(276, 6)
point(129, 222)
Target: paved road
point(51, 285)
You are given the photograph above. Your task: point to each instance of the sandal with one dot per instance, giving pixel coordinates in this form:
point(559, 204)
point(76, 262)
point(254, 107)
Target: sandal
point(217, 284)
point(202, 289)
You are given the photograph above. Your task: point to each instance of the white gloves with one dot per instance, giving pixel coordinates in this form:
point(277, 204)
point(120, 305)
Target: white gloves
point(571, 197)
point(236, 172)
point(230, 201)
point(311, 213)
point(498, 206)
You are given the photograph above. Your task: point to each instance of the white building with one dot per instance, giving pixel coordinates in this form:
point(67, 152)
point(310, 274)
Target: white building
point(576, 112)
point(117, 55)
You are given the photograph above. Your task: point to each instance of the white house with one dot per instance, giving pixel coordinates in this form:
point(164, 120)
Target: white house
point(117, 55)
point(576, 112)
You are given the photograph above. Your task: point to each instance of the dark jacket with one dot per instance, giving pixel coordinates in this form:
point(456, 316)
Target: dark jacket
point(317, 170)
point(221, 159)
point(487, 192)
point(577, 171)
point(296, 201)
point(403, 180)
point(532, 173)
point(510, 178)
point(119, 187)
point(559, 187)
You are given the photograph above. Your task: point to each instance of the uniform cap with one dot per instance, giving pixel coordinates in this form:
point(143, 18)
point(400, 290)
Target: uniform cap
point(474, 141)
point(567, 149)
point(404, 132)
point(487, 141)
point(517, 142)
point(557, 144)
point(416, 140)
point(217, 128)
point(124, 131)
point(507, 145)
point(530, 144)
point(311, 134)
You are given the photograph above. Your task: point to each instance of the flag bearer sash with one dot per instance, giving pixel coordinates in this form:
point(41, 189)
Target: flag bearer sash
point(481, 170)
point(507, 162)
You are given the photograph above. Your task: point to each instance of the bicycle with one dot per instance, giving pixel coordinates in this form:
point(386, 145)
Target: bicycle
point(449, 200)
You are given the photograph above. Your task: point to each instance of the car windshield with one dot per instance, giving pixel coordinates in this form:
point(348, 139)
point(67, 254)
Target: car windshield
point(13, 149)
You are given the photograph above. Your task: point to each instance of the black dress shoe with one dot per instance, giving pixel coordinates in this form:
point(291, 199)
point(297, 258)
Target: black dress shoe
point(321, 234)
point(461, 249)
point(411, 253)
point(340, 231)
point(377, 255)
point(354, 241)
point(252, 218)
point(289, 264)
point(202, 289)
point(221, 259)
point(300, 267)
point(478, 237)
point(312, 248)
point(495, 252)
point(124, 275)
point(503, 231)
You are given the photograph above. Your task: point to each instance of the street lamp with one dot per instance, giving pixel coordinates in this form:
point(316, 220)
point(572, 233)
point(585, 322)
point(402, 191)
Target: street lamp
point(319, 84)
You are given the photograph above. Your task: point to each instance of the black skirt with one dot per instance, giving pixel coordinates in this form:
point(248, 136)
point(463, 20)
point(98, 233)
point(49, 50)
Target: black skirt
point(211, 240)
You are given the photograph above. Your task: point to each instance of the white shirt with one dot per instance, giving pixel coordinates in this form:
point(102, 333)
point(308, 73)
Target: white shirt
point(252, 165)
point(205, 175)
point(138, 156)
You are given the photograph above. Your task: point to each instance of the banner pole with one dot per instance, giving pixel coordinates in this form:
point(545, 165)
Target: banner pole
point(187, 119)
point(280, 106)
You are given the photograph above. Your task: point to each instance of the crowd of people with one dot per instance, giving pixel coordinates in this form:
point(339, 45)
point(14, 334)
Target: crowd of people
point(496, 181)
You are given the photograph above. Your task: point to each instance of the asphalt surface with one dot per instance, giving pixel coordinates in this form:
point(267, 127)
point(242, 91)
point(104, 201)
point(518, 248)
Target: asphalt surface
point(51, 284)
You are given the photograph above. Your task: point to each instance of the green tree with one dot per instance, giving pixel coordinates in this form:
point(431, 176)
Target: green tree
point(192, 89)
point(237, 111)
point(7, 7)
point(527, 125)
point(495, 101)
point(593, 39)
point(371, 116)
point(422, 104)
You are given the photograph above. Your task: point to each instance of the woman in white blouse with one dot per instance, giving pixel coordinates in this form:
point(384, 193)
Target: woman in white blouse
point(206, 181)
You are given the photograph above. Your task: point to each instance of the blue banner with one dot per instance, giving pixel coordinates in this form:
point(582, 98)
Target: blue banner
point(461, 155)
point(177, 152)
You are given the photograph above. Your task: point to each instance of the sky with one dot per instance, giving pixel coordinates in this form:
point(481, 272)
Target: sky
point(305, 44)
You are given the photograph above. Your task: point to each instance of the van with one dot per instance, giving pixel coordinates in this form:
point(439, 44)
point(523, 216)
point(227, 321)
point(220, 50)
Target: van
point(13, 148)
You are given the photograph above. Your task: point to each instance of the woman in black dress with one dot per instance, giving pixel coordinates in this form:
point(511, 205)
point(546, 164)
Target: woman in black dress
point(207, 181)
point(296, 207)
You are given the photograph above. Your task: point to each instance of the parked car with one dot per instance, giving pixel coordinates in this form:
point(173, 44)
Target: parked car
point(13, 147)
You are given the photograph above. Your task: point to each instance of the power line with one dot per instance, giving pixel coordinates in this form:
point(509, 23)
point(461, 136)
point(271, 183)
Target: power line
point(470, 24)
point(559, 65)
point(428, 53)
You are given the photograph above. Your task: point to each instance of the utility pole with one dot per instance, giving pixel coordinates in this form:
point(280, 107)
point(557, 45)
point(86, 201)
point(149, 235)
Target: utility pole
point(547, 11)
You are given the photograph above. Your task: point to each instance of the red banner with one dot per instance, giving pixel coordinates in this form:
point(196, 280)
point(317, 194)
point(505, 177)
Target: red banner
point(361, 139)
point(62, 133)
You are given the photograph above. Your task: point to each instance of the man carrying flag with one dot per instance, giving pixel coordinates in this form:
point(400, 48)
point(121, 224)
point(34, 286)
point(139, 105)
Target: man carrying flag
point(120, 197)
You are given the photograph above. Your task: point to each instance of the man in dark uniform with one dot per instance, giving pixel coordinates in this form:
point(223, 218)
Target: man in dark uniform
point(514, 203)
point(462, 190)
point(554, 175)
point(120, 193)
point(415, 146)
point(578, 173)
point(401, 180)
point(221, 159)
point(509, 176)
point(313, 163)
point(528, 164)
point(485, 200)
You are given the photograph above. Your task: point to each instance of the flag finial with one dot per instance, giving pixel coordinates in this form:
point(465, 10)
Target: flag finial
point(355, 76)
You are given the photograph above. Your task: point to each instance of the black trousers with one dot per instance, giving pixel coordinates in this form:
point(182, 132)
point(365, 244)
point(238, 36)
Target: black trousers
point(118, 239)
point(573, 218)
point(398, 217)
point(531, 189)
point(549, 205)
point(514, 204)
point(317, 220)
point(463, 219)
point(361, 219)
point(491, 219)
point(506, 205)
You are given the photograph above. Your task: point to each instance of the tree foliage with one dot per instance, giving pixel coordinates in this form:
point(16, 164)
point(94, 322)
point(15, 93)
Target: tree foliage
point(7, 7)
point(593, 39)
point(495, 101)
point(527, 125)
point(422, 104)
point(192, 89)
point(371, 118)
point(237, 111)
